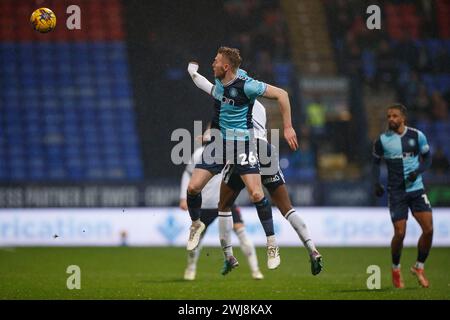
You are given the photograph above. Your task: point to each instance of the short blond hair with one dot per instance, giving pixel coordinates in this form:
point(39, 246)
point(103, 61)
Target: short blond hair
point(233, 55)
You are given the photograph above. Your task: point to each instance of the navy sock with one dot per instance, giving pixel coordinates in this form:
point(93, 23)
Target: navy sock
point(265, 216)
point(422, 256)
point(194, 203)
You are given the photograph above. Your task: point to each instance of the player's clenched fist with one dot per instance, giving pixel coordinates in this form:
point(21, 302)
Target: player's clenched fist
point(192, 67)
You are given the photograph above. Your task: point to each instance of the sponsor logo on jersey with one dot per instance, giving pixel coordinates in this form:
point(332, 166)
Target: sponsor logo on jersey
point(226, 100)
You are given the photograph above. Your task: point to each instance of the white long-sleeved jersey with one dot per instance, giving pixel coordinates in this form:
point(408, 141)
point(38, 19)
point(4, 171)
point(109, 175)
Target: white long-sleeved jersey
point(259, 121)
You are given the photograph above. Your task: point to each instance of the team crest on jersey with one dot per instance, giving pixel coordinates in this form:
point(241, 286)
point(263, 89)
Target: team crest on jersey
point(412, 142)
point(233, 92)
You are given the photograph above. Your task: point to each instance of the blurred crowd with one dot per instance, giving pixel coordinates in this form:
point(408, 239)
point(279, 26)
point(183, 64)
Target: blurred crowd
point(403, 58)
point(259, 30)
point(410, 54)
point(406, 55)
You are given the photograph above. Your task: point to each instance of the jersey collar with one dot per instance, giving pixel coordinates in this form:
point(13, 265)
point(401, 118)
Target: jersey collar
point(231, 81)
point(400, 135)
point(404, 132)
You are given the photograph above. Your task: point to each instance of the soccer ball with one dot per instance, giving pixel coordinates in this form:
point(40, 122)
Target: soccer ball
point(43, 20)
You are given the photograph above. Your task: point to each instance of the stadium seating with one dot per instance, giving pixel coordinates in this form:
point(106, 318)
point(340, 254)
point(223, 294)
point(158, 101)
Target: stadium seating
point(401, 17)
point(438, 133)
point(66, 108)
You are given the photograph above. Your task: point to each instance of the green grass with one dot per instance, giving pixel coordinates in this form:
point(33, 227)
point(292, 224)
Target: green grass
point(156, 273)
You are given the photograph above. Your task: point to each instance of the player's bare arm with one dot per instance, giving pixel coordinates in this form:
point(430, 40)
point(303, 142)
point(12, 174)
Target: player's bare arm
point(282, 97)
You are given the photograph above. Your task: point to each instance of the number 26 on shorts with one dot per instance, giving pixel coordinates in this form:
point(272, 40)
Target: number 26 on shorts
point(251, 158)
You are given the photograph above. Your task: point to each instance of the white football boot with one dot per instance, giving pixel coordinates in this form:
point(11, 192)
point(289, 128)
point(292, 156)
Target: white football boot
point(273, 257)
point(195, 231)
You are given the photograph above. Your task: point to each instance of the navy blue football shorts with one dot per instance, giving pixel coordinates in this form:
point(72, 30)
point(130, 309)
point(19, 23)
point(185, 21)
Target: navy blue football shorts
point(400, 201)
point(271, 181)
point(242, 155)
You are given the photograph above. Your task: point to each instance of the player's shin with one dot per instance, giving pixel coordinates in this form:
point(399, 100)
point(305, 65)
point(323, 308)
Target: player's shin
point(193, 256)
point(265, 216)
point(424, 247)
point(302, 231)
point(422, 255)
point(225, 227)
point(396, 252)
point(194, 203)
point(248, 248)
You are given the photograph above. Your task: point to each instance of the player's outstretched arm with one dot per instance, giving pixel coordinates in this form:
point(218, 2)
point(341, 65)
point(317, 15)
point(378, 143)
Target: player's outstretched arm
point(199, 80)
point(282, 97)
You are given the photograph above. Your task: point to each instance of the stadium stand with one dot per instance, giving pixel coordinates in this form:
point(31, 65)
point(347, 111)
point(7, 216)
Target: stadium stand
point(410, 58)
point(66, 111)
point(99, 107)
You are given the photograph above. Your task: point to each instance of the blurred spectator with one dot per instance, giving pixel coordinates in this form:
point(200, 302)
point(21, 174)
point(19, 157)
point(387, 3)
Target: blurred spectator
point(259, 30)
point(423, 60)
point(243, 42)
point(422, 104)
point(123, 238)
point(442, 61)
point(342, 18)
point(316, 117)
point(386, 64)
point(264, 67)
point(302, 162)
point(407, 51)
point(354, 60)
point(410, 90)
point(440, 109)
point(440, 164)
point(429, 25)
point(304, 156)
point(411, 66)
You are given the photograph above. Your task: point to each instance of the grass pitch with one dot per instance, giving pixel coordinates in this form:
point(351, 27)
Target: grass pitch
point(157, 273)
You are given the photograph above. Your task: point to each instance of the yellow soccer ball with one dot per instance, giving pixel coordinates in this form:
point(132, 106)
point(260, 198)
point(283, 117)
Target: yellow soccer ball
point(43, 20)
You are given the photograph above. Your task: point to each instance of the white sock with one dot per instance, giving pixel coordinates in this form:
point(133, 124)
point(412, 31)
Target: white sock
point(225, 227)
point(271, 241)
point(300, 227)
point(193, 256)
point(420, 265)
point(248, 249)
point(395, 266)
